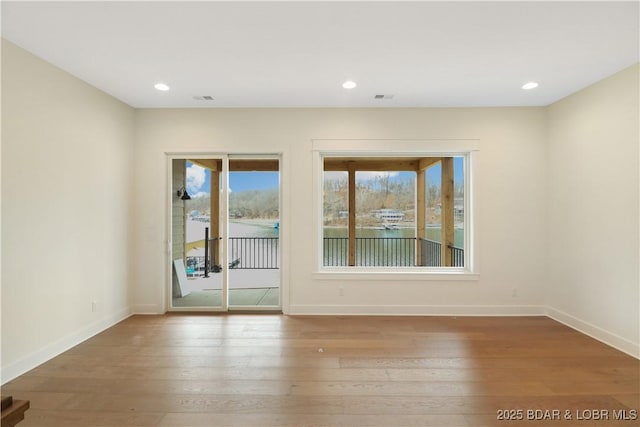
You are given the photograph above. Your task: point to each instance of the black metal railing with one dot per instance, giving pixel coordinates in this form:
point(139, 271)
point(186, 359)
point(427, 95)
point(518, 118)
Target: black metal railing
point(244, 253)
point(263, 253)
point(334, 251)
point(430, 252)
point(254, 253)
point(457, 256)
point(387, 252)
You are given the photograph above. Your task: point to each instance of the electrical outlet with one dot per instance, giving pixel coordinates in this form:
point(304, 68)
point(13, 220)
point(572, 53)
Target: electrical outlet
point(341, 291)
point(94, 306)
point(514, 293)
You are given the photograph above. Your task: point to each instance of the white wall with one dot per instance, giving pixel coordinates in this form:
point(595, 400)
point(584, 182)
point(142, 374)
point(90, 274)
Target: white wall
point(593, 210)
point(67, 172)
point(67, 164)
point(512, 201)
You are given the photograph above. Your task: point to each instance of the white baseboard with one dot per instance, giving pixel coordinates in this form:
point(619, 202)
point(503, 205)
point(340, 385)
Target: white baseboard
point(595, 332)
point(147, 309)
point(52, 350)
point(418, 310)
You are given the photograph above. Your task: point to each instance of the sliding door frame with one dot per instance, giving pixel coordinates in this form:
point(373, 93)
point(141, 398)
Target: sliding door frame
point(224, 227)
point(222, 221)
point(252, 156)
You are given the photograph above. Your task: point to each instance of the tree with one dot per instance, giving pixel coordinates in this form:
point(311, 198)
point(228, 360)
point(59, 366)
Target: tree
point(254, 204)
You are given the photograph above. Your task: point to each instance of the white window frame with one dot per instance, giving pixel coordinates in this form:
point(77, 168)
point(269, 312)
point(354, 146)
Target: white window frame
point(335, 148)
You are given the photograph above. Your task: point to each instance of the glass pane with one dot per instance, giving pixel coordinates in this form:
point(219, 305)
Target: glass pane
point(431, 246)
point(335, 218)
point(459, 214)
point(253, 244)
point(385, 218)
point(386, 223)
point(195, 282)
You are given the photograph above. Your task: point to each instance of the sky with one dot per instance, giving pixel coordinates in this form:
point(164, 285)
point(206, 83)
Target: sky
point(199, 179)
point(243, 181)
point(434, 173)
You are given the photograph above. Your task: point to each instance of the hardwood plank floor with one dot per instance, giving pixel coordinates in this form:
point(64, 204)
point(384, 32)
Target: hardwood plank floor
point(273, 370)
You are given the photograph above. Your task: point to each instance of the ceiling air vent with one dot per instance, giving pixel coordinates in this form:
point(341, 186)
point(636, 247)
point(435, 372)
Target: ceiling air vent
point(203, 98)
point(383, 97)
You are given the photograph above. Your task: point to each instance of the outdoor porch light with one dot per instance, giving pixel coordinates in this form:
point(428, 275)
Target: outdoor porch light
point(182, 193)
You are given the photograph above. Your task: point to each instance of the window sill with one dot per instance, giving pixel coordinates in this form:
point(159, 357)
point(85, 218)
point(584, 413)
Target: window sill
point(398, 275)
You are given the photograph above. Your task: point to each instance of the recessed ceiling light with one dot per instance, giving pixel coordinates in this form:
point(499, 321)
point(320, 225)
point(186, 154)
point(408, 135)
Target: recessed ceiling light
point(349, 84)
point(530, 85)
point(161, 86)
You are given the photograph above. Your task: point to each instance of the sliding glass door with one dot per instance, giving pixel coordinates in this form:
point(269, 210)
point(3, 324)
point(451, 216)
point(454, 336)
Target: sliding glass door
point(253, 243)
point(225, 224)
point(198, 279)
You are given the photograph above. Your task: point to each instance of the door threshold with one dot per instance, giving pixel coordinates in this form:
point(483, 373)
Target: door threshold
point(254, 310)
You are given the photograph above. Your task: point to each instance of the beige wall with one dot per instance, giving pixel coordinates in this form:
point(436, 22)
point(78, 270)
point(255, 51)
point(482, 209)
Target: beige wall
point(593, 201)
point(72, 200)
point(67, 163)
point(511, 190)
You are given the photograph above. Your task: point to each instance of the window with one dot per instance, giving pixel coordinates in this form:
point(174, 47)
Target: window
point(395, 208)
point(393, 211)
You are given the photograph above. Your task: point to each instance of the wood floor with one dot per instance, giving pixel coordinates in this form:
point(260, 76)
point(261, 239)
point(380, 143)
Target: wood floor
point(274, 370)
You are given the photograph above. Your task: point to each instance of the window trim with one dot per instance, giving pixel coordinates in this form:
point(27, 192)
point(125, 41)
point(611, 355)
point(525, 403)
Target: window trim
point(335, 148)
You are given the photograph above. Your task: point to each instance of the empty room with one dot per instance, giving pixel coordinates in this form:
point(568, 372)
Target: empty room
point(320, 213)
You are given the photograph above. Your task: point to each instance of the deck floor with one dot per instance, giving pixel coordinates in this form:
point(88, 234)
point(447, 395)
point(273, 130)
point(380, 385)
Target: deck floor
point(276, 371)
point(247, 287)
point(258, 297)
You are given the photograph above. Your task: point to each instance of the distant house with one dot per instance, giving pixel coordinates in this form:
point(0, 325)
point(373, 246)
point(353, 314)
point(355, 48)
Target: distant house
point(388, 215)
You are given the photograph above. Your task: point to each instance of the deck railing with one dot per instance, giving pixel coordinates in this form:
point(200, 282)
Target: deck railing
point(334, 251)
point(457, 256)
point(387, 252)
point(431, 253)
point(263, 252)
point(254, 253)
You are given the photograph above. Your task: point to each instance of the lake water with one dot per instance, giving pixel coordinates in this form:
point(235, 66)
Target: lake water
point(431, 233)
point(265, 228)
point(258, 228)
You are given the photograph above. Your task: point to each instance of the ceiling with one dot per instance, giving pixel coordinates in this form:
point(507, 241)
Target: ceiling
point(298, 54)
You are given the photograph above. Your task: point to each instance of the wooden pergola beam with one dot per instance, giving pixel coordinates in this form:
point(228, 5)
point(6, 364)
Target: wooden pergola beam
point(427, 162)
point(240, 165)
point(352, 214)
point(371, 165)
point(447, 213)
point(251, 165)
point(211, 164)
point(421, 208)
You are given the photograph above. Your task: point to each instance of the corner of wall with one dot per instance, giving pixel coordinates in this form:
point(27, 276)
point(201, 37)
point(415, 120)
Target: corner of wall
point(592, 153)
point(54, 349)
point(595, 332)
point(89, 136)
